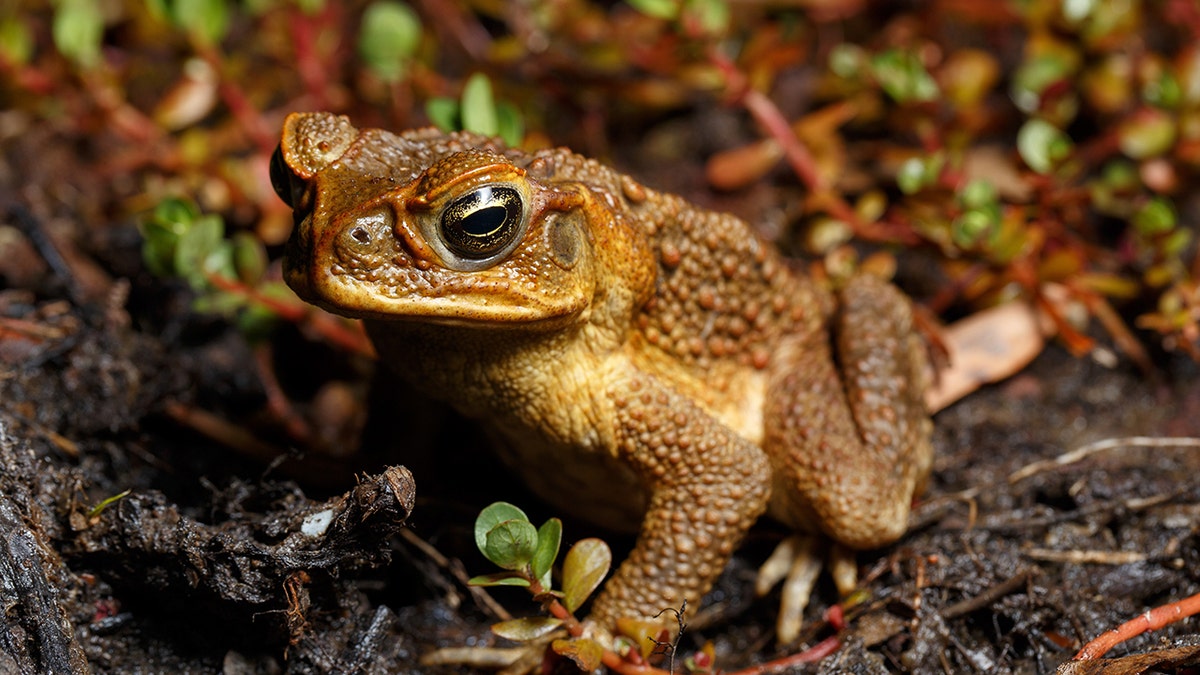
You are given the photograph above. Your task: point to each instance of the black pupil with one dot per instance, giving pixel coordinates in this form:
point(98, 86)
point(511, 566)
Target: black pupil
point(483, 222)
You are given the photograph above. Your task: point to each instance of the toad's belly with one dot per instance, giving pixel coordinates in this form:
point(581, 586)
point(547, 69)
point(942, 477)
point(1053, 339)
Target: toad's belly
point(592, 485)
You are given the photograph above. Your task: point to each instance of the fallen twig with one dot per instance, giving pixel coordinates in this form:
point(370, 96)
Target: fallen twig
point(1086, 557)
point(989, 596)
point(1090, 449)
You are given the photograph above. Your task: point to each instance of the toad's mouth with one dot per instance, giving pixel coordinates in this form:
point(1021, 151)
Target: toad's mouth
point(406, 293)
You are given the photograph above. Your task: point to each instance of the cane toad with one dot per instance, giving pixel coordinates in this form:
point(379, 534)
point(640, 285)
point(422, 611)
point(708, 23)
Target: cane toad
point(643, 361)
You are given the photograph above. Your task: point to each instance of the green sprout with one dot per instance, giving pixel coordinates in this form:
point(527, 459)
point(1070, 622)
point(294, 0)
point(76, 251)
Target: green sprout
point(107, 502)
point(477, 110)
point(391, 32)
point(505, 536)
point(180, 241)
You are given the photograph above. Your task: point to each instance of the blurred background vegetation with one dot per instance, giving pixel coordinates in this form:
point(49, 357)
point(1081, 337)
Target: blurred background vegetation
point(1040, 149)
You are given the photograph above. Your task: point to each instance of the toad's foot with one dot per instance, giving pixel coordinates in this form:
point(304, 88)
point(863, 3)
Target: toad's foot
point(797, 561)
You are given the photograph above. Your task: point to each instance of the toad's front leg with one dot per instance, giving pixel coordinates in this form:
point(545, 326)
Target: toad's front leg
point(707, 487)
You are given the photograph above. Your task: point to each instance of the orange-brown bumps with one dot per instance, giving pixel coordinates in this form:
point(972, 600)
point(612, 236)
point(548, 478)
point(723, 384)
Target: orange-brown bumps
point(644, 361)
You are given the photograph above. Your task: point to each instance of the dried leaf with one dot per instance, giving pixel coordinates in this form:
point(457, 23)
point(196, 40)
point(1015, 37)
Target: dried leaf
point(584, 652)
point(986, 347)
point(526, 629)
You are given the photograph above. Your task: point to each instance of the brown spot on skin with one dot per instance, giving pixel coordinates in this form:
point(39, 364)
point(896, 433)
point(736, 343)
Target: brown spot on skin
point(760, 358)
point(671, 257)
point(633, 190)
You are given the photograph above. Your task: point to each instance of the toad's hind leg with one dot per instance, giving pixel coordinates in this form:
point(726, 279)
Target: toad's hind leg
point(850, 444)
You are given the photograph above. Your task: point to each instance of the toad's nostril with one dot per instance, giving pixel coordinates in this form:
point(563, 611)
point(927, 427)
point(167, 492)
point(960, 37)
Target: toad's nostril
point(360, 234)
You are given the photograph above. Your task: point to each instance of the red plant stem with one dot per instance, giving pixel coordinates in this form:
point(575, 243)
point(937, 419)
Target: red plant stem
point(277, 401)
point(769, 116)
point(556, 608)
point(33, 80)
point(569, 621)
point(331, 329)
point(313, 73)
point(811, 655)
point(619, 665)
point(245, 112)
point(1150, 620)
point(766, 113)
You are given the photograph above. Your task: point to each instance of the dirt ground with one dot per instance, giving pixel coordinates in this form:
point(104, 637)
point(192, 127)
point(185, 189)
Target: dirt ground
point(112, 389)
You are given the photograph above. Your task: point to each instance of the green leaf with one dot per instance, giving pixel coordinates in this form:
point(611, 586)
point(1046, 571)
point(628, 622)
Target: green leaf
point(510, 122)
point(310, 6)
point(526, 629)
point(1148, 133)
point(157, 9)
point(500, 579)
point(158, 248)
point(1034, 76)
point(161, 231)
point(16, 41)
point(77, 30)
point(493, 515)
point(256, 323)
point(1175, 243)
point(917, 173)
point(220, 261)
point(902, 75)
point(443, 112)
point(713, 15)
point(1164, 92)
point(249, 258)
point(659, 9)
point(846, 60)
point(549, 537)
point(974, 227)
point(221, 304)
point(511, 544)
point(389, 37)
point(585, 652)
point(977, 194)
point(479, 106)
point(911, 176)
point(1075, 11)
point(1042, 145)
point(176, 214)
point(198, 246)
point(205, 20)
point(583, 569)
point(505, 536)
point(1154, 217)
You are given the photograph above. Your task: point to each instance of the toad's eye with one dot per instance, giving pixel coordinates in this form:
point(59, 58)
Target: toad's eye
point(483, 222)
